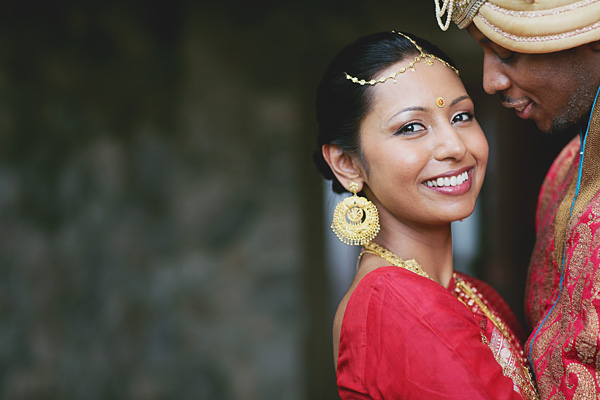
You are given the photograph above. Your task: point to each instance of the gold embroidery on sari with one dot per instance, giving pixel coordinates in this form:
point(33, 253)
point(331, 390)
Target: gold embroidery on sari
point(585, 388)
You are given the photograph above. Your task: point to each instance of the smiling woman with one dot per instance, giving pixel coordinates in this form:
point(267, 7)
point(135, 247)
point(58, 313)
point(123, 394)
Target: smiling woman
point(397, 126)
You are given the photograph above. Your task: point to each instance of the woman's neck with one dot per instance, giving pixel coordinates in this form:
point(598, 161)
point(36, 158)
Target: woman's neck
point(431, 247)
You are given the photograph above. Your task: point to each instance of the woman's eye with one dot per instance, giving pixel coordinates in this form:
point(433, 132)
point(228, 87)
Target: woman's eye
point(462, 117)
point(410, 128)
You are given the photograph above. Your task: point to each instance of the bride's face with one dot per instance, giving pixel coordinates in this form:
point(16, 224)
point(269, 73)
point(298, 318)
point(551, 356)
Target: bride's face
point(423, 164)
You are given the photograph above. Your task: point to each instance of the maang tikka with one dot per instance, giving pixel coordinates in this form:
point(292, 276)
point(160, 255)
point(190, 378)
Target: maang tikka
point(355, 219)
point(426, 57)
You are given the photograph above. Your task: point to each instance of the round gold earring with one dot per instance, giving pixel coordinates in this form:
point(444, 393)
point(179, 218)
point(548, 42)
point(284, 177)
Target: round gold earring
point(355, 219)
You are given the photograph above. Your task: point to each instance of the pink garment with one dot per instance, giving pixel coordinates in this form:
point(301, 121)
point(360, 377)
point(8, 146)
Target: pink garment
point(565, 351)
point(407, 337)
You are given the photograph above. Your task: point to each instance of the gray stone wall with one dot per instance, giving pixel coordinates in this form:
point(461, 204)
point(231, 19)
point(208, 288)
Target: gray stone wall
point(161, 223)
point(150, 239)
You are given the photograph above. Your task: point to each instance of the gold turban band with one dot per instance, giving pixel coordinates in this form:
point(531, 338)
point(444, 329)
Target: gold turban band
point(526, 26)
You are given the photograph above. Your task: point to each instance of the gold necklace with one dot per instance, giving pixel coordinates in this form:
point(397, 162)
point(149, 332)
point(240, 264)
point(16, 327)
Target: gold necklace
point(526, 385)
point(411, 265)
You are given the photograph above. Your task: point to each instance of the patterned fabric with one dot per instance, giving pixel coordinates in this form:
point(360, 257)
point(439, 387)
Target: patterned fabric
point(565, 349)
point(404, 336)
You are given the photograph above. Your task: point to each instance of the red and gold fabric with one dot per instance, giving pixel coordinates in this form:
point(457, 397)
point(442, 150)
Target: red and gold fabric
point(405, 336)
point(563, 298)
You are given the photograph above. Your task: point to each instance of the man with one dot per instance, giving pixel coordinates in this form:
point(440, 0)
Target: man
point(542, 58)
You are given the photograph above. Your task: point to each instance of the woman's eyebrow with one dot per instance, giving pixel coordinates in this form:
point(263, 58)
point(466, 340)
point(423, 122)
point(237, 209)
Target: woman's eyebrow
point(459, 99)
point(414, 108)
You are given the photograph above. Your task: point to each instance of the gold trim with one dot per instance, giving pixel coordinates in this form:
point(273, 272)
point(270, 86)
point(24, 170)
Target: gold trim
point(463, 16)
point(428, 60)
point(541, 13)
point(540, 38)
point(590, 184)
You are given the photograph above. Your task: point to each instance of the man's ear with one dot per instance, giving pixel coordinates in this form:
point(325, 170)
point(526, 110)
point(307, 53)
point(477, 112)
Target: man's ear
point(344, 166)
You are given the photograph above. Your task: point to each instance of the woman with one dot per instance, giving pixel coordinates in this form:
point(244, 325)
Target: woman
point(397, 126)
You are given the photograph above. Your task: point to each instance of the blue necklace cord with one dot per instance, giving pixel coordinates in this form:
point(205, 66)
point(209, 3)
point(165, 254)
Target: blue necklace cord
point(583, 139)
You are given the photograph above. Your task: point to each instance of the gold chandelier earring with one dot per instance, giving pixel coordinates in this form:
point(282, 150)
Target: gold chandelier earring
point(355, 219)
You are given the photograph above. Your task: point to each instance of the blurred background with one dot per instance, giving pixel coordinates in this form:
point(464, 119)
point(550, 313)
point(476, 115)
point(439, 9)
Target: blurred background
point(163, 232)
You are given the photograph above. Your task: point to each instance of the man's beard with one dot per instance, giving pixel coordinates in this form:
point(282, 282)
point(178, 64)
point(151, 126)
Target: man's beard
point(575, 116)
point(565, 126)
point(573, 119)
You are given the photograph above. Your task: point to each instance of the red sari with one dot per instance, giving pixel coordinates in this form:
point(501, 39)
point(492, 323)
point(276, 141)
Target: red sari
point(404, 336)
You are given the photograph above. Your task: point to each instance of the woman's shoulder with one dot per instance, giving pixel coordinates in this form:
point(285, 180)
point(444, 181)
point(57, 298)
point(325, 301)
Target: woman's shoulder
point(369, 291)
point(398, 283)
point(396, 319)
point(394, 291)
point(383, 305)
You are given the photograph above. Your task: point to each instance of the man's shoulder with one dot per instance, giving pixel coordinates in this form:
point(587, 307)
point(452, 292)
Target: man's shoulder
point(559, 170)
point(567, 154)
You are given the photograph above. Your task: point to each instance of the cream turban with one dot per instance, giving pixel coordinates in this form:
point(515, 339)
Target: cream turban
point(527, 26)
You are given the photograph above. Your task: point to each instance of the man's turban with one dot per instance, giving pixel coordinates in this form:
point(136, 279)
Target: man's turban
point(527, 26)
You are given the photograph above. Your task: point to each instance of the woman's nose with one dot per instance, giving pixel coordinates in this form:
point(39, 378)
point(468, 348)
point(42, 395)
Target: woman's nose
point(450, 145)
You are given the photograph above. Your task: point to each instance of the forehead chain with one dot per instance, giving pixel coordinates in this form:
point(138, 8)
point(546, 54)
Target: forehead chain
point(426, 57)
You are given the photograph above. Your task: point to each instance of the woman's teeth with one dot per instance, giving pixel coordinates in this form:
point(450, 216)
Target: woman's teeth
point(449, 181)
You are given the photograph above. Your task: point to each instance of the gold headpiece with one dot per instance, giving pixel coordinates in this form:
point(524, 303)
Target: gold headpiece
point(422, 55)
point(459, 11)
point(526, 26)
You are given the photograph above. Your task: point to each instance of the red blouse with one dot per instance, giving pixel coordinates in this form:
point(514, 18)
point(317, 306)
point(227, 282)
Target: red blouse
point(407, 337)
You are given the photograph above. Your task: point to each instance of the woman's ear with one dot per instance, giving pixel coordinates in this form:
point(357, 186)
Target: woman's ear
point(344, 166)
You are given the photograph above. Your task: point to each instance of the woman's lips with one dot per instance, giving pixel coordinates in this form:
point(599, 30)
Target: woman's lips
point(454, 183)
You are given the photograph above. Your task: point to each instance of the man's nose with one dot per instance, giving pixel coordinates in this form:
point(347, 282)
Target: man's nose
point(494, 78)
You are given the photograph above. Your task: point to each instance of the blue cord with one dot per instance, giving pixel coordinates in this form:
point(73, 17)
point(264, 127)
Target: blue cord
point(583, 139)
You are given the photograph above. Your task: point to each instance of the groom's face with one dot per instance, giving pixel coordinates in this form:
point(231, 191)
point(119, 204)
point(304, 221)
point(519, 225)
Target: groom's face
point(555, 90)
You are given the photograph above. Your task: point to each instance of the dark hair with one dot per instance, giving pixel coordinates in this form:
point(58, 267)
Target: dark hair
point(342, 104)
